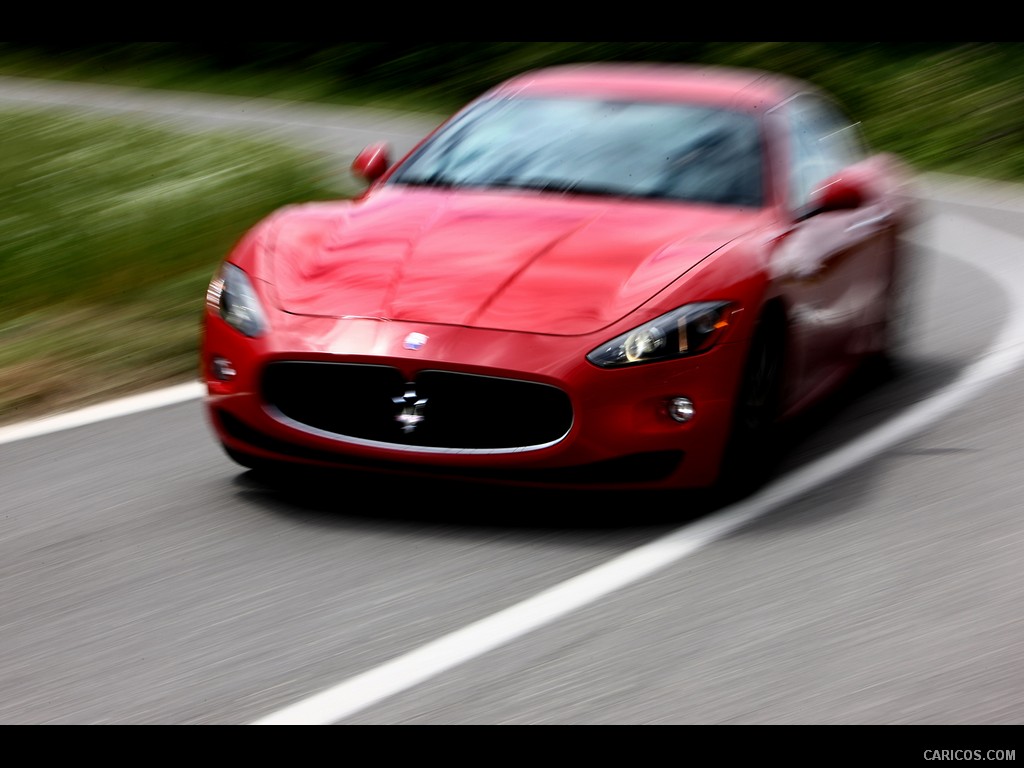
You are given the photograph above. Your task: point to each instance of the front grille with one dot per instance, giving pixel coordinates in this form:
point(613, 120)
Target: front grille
point(439, 410)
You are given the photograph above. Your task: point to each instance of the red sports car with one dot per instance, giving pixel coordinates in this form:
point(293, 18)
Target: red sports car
point(600, 276)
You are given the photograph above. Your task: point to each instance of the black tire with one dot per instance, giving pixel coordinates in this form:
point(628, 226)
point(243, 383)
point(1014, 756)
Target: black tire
point(278, 475)
point(255, 463)
point(239, 457)
point(754, 446)
point(890, 361)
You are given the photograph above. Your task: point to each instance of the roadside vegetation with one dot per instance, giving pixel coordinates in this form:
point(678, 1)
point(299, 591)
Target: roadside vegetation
point(945, 106)
point(112, 229)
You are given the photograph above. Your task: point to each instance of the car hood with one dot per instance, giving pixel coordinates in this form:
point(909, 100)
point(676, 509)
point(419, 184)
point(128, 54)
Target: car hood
point(536, 263)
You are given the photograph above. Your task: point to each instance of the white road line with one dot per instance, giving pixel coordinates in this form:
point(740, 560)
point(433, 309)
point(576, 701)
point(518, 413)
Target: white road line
point(146, 401)
point(1006, 354)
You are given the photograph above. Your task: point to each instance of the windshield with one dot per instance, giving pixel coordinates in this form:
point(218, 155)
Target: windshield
point(659, 150)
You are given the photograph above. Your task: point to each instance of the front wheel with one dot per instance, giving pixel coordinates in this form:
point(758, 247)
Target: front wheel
point(260, 466)
point(753, 449)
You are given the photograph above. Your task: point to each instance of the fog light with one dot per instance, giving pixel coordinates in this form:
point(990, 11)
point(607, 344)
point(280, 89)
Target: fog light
point(223, 370)
point(680, 409)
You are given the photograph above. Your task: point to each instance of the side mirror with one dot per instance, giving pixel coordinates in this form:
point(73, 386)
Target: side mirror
point(852, 187)
point(844, 191)
point(372, 162)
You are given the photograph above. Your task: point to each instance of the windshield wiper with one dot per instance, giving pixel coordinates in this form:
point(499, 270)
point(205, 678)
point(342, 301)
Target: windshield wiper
point(434, 180)
point(564, 186)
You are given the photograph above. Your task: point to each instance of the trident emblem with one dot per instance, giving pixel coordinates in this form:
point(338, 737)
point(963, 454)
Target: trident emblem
point(412, 409)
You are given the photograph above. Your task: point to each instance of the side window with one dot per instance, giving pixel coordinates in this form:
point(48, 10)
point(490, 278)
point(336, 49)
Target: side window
point(823, 142)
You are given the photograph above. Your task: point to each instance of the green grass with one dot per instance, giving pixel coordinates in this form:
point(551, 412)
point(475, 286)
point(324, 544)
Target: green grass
point(111, 232)
point(186, 75)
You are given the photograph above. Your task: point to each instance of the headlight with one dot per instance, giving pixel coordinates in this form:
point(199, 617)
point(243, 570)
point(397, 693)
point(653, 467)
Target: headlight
point(232, 296)
point(685, 331)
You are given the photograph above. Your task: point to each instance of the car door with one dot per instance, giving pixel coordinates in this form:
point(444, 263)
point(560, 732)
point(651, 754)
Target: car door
point(835, 262)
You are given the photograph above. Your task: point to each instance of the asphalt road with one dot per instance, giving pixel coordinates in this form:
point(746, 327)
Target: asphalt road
point(149, 580)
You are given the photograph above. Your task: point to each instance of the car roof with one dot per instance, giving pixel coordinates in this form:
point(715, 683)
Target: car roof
point(748, 89)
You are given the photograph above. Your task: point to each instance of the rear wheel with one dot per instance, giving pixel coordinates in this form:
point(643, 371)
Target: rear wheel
point(889, 361)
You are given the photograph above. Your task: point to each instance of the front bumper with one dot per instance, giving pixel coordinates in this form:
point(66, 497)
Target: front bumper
point(556, 422)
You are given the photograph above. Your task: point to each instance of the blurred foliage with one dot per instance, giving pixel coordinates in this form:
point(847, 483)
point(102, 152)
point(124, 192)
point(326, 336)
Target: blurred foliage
point(96, 210)
point(112, 231)
point(952, 106)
